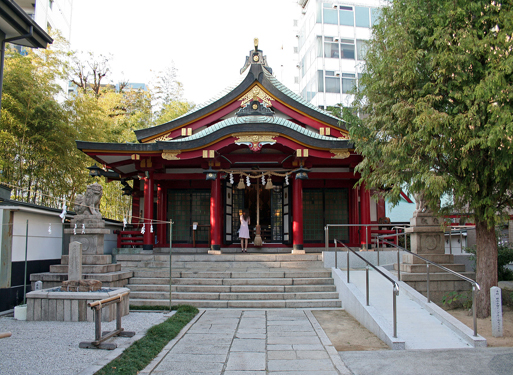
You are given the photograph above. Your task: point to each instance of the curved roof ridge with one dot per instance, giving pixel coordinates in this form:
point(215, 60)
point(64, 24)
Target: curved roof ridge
point(252, 119)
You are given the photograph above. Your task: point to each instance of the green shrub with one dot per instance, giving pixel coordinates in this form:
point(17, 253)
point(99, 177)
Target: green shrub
point(457, 299)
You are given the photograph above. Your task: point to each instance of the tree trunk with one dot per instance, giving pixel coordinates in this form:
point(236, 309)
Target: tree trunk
point(486, 266)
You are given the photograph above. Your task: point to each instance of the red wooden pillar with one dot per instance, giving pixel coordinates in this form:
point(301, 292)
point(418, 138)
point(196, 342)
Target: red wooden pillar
point(161, 215)
point(354, 217)
point(136, 203)
point(215, 214)
point(365, 232)
point(297, 214)
point(148, 237)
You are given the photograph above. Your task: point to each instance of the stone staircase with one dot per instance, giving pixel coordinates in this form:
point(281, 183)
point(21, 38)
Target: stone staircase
point(231, 280)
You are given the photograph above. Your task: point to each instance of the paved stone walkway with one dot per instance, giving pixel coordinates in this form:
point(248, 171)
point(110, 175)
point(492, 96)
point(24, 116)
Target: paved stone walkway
point(236, 342)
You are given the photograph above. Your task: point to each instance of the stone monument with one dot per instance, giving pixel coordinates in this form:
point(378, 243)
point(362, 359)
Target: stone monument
point(75, 283)
point(427, 236)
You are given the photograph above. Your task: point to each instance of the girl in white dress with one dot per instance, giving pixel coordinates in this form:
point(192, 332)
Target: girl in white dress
point(244, 230)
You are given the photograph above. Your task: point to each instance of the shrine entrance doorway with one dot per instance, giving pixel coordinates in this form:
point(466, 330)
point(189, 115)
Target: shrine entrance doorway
point(274, 212)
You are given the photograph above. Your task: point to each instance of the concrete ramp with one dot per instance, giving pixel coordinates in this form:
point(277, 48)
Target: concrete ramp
point(419, 325)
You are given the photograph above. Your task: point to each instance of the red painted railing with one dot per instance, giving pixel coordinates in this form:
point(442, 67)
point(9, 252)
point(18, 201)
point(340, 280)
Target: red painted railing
point(129, 238)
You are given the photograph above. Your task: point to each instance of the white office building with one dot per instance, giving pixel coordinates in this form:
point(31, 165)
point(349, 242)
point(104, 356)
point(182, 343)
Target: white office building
point(331, 46)
point(50, 14)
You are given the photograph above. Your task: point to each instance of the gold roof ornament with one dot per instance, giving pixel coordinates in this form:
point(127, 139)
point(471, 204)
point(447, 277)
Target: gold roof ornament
point(340, 154)
point(255, 57)
point(171, 155)
point(255, 141)
point(254, 94)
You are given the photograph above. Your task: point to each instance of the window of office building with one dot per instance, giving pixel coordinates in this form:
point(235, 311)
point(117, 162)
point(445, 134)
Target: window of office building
point(347, 49)
point(375, 14)
point(320, 81)
point(319, 46)
point(362, 17)
point(360, 85)
point(346, 16)
point(348, 82)
point(332, 83)
point(329, 14)
point(361, 49)
point(331, 48)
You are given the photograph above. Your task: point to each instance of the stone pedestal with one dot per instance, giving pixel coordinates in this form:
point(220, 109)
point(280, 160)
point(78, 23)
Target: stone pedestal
point(89, 231)
point(427, 240)
point(426, 236)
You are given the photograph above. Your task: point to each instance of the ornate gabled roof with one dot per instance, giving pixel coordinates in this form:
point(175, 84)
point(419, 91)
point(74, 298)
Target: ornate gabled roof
point(220, 106)
point(225, 129)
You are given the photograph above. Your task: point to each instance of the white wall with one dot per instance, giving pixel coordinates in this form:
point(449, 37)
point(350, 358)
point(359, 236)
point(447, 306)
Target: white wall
point(41, 244)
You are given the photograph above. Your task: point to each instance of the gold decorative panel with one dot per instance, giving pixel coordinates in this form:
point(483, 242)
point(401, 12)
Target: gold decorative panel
point(171, 155)
point(340, 154)
point(255, 141)
point(164, 137)
point(254, 94)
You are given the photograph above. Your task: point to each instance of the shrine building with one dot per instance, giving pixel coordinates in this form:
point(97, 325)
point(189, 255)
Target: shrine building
point(257, 146)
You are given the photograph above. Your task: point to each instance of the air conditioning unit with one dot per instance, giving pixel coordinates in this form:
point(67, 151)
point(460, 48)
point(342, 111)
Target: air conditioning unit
point(337, 74)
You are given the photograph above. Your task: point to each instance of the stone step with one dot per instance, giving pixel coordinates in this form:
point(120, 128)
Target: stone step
point(90, 259)
point(226, 265)
point(421, 268)
point(220, 258)
point(87, 268)
point(233, 288)
point(244, 304)
point(240, 281)
point(233, 296)
point(240, 274)
point(232, 250)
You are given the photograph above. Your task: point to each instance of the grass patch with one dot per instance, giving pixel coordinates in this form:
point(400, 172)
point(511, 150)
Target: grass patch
point(155, 308)
point(141, 353)
point(151, 308)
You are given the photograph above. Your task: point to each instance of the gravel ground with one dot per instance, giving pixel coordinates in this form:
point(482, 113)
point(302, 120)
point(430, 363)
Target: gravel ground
point(52, 347)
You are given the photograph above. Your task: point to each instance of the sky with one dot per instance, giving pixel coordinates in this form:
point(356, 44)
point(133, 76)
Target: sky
point(206, 41)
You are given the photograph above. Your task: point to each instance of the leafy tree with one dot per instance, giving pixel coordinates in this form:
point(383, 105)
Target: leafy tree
point(437, 97)
point(33, 130)
point(174, 109)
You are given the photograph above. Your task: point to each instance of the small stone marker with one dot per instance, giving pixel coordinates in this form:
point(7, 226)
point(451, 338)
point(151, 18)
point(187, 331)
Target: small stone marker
point(75, 261)
point(38, 285)
point(496, 312)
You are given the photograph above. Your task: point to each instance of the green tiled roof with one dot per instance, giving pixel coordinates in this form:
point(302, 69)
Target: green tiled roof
point(251, 120)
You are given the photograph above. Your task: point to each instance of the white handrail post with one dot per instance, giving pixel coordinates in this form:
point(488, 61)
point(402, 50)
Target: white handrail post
point(367, 283)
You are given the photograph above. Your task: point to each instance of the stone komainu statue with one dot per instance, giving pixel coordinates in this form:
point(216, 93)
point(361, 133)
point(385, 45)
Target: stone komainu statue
point(89, 204)
point(421, 204)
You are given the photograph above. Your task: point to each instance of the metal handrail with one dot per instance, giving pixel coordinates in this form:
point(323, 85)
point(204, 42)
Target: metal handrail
point(326, 234)
point(395, 289)
point(475, 285)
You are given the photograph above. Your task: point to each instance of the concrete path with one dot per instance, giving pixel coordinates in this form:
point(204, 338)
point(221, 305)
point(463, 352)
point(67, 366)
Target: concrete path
point(235, 342)
point(479, 361)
